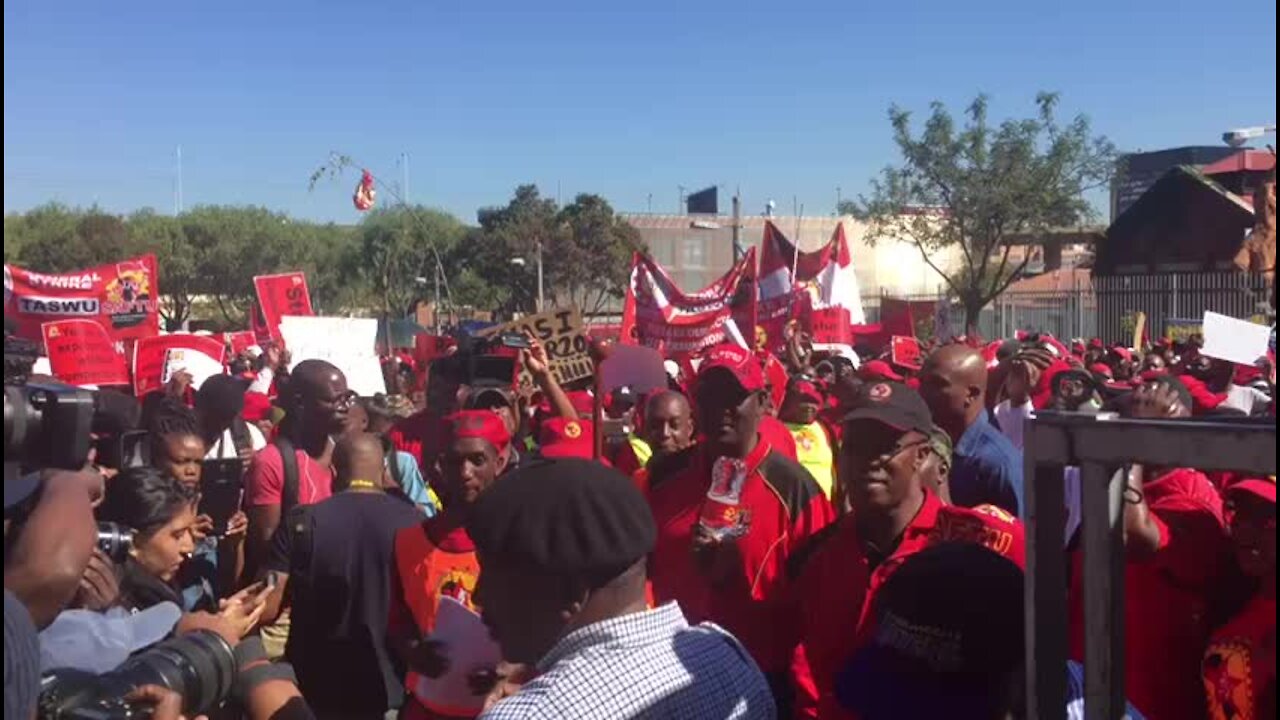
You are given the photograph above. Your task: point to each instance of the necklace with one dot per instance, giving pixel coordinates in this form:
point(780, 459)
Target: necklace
point(363, 485)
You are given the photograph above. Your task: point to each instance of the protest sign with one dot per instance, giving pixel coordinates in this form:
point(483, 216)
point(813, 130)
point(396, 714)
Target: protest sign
point(1237, 341)
point(1180, 330)
point(906, 352)
point(347, 343)
point(82, 353)
point(658, 314)
point(1139, 331)
point(429, 347)
point(240, 341)
point(122, 298)
point(829, 326)
point(149, 356)
point(561, 332)
point(281, 295)
point(200, 366)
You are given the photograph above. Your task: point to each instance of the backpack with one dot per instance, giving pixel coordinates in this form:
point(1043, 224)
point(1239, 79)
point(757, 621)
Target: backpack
point(241, 440)
point(289, 463)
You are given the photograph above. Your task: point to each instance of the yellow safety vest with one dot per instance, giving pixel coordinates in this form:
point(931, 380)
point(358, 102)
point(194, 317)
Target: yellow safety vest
point(813, 450)
point(641, 449)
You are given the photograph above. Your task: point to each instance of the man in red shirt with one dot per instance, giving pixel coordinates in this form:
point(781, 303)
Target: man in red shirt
point(723, 559)
point(834, 578)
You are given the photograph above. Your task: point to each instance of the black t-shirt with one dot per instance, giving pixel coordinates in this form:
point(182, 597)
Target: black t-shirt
point(339, 556)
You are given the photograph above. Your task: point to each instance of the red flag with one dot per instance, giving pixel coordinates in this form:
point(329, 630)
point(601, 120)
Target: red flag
point(824, 279)
point(280, 295)
point(149, 355)
point(122, 298)
point(365, 194)
point(906, 352)
point(82, 353)
point(657, 313)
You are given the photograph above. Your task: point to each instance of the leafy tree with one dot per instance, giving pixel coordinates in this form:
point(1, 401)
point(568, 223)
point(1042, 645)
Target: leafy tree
point(591, 256)
point(971, 188)
point(396, 248)
point(176, 259)
point(504, 251)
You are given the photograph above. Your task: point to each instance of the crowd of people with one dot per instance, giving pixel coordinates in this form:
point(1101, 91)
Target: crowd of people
point(799, 535)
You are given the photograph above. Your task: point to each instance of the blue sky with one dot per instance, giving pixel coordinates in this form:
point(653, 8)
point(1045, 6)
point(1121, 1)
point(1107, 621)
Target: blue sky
point(782, 100)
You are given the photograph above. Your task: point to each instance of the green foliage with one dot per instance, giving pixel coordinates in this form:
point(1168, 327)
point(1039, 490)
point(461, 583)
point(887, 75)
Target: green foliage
point(970, 188)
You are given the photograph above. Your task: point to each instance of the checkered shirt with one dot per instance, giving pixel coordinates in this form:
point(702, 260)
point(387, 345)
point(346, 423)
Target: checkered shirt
point(649, 664)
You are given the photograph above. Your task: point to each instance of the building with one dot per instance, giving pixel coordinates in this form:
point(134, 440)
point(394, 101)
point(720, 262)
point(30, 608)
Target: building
point(1137, 172)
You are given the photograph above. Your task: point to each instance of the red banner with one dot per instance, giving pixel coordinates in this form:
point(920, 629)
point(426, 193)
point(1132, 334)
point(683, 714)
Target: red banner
point(81, 353)
point(909, 318)
point(828, 326)
point(122, 298)
point(240, 341)
point(149, 355)
point(280, 295)
point(660, 315)
point(906, 352)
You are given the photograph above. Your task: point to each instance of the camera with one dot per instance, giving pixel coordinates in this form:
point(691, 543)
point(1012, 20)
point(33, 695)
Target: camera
point(115, 541)
point(48, 425)
point(200, 666)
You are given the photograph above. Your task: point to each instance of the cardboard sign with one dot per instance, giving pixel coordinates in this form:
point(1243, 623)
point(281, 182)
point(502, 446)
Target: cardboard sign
point(830, 326)
point(82, 353)
point(1237, 341)
point(201, 367)
point(281, 295)
point(561, 333)
point(347, 343)
point(149, 356)
point(122, 298)
point(906, 352)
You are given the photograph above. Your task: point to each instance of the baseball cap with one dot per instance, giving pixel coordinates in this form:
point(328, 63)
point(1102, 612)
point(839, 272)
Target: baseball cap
point(934, 659)
point(99, 642)
point(482, 424)
point(566, 438)
point(806, 389)
point(879, 370)
point(892, 404)
point(1264, 488)
point(738, 361)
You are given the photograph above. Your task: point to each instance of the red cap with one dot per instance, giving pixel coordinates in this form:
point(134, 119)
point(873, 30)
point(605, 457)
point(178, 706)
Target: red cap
point(1101, 369)
point(737, 360)
point(566, 438)
point(582, 401)
point(483, 424)
point(1123, 352)
point(1264, 488)
point(257, 407)
point(1096, 343)
point(806, 389)
point(879, 370)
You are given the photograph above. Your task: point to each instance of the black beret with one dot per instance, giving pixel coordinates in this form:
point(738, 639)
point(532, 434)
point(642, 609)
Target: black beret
point(572, 517)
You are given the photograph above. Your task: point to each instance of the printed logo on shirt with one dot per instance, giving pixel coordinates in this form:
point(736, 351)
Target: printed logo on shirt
point(1228, 680)
point(572, 430)
point(966, 528)
point(459, 585)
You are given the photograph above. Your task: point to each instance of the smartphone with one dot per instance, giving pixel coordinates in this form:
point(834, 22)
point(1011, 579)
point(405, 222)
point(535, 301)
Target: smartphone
point(221, 491)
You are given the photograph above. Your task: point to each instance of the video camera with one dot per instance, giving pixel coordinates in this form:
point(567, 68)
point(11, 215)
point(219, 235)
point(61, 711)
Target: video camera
point(489, 359)
point(48, 425)
point(199, 666)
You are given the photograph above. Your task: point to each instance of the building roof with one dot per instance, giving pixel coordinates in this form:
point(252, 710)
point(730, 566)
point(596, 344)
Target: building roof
point(1243, 161)
point(1054, 281)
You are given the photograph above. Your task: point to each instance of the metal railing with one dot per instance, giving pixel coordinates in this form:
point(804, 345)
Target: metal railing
point(1099, 445)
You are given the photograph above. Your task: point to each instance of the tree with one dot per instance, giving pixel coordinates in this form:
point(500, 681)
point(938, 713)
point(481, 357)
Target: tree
point(176, 260)
point(972, 188)
point(504, 251)
point(396, 248)
point(592, 253)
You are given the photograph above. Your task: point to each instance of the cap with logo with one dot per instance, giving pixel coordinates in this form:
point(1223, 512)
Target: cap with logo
point(565, 438)
point(892, 404)
point(738, 361)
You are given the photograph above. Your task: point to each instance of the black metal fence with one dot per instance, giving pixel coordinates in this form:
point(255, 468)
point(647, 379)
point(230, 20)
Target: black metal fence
point(1107, 307)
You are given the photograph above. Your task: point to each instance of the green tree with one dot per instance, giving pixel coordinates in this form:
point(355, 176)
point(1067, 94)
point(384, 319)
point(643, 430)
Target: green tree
point(176, 260)
point(504, 250)
point(591, 254)
point(397, 247)
point(973, 187)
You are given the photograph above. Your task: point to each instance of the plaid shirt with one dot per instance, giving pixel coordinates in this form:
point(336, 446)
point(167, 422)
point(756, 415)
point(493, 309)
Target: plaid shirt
point(649, 664)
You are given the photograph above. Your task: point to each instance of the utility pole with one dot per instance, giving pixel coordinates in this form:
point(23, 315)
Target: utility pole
point(541, 299)
point(738, 250)
point(177, 196)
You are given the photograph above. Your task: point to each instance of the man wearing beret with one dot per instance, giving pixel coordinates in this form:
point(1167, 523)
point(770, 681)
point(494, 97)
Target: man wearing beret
point(835, 577)
point(562, 547)
point(436, 558)
point(723, 561)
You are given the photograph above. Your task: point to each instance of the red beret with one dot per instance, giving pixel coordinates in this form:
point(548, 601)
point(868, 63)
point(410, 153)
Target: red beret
point(483, 424)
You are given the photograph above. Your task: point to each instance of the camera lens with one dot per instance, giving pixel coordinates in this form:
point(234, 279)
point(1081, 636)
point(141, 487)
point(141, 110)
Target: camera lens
point(200, 666)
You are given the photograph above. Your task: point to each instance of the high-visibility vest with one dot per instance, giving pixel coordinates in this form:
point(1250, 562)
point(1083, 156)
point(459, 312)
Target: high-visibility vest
point(640, 448)
point(813, 450)
point(426, 574)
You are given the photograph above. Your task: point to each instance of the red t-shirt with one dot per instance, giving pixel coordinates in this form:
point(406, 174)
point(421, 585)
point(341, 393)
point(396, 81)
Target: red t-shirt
point(778, 435)
point(1239, 667)
point(786, 506)
point(264, 483)
point(833, 584)
point(1168, 597)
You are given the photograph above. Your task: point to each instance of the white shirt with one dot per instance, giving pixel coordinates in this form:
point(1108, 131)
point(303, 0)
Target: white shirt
point(225, 448)
point(1011, 419)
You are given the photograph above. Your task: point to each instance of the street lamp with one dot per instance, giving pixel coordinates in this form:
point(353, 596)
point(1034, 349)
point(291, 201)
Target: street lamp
point(1238, 137)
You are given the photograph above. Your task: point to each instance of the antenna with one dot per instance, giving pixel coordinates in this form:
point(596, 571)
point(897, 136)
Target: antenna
point(177, 195)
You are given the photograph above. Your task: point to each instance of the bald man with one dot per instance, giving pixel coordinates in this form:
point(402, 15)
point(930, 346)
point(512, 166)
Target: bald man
point(336, 558)
point(986, 468)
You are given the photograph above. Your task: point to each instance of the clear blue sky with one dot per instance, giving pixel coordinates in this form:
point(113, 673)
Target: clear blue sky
point(783, 99)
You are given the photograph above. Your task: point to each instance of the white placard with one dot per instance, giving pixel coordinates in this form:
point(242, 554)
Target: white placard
point(469, 647)
point(348, 343)
point(201, 366)
point(1237, 341)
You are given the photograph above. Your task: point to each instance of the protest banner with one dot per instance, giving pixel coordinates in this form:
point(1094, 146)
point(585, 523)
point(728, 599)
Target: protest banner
point(791, 281)
point(562, 333)
point(347, 343)
point(281, 295)
point(1238, 341)
point(906, 352)
point(658, 314)
point(122, 298)
point(149, 357)
point(82, 353)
